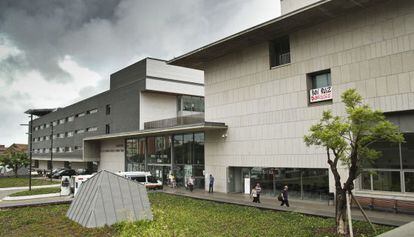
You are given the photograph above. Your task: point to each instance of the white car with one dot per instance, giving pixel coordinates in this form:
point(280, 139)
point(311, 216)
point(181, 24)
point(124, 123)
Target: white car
point(144, 178)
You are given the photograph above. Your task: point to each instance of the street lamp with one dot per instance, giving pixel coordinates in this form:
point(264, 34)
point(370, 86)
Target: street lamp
point(30, 128)
point(51, 150)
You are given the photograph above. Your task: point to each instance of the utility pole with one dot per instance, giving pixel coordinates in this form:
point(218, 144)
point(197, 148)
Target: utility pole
point(51, 150)
point(30, 132)
point(31, 151)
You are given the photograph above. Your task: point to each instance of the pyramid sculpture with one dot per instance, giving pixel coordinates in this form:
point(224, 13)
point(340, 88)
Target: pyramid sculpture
point(107, 198)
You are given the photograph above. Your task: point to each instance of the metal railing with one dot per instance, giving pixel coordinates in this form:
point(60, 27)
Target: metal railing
point(176, 121)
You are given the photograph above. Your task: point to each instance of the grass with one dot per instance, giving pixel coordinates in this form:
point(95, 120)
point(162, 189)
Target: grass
point(7, 182)
point(176, 216)
point(36, 191)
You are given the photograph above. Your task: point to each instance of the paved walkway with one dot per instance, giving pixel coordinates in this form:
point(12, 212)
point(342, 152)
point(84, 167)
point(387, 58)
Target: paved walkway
point(36, 202)
point(315, 208)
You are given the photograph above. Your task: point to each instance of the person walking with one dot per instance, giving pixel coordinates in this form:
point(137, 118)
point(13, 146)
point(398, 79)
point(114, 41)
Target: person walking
point(211, 184)
point(285, 196)
point(253, 194)
point(258, 191)
point(190, 183)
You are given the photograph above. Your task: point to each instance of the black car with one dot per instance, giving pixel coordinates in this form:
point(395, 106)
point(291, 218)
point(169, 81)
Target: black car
point(65, 172)
point(54, 171)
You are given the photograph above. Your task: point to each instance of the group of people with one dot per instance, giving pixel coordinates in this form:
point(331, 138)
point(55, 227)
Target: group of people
point(283, 196)
point(190, 183)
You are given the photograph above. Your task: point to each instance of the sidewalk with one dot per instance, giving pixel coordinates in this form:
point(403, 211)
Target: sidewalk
point(36, 202)
point(27, 187)
point(314, 208)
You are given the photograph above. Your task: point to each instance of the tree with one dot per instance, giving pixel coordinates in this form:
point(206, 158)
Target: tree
point(14, 160)
point(348, 139)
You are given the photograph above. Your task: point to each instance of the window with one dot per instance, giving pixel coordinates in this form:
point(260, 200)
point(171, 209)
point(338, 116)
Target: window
point(319, 85)
point(393, 170)
point(80, 115)
point(54, 136)
point(107, 129)
point(69, 134)
point(36, 164)
point(80, 131)
point(279, 51)
point(47, 125)
point(71, 118)
point(61, 149)
point(108, 109)
point(91, 129)
point(40, 139)
point(62, 121)
point(92, 111)
point(66, 164)
point(68, 149)
point(78, 148)
point(55, 123)
point(54, 149)
point(49, 165)
point(47, 138)
point(47, 150)
point(61, 135)
point(190, 103)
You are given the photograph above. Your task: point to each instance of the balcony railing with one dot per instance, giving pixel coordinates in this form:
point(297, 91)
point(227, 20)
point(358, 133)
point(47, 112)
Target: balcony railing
point(284, 58)
point(177, 121)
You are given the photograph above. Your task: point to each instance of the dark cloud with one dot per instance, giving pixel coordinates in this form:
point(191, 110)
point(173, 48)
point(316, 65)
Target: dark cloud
point(106, 35)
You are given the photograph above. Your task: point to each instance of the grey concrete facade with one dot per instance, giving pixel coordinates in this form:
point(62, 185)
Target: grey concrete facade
point(115, 111)
point(368, 46)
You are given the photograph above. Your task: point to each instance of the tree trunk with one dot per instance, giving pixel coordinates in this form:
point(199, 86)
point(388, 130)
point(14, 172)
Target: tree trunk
point(341, 219)
point(15, 172)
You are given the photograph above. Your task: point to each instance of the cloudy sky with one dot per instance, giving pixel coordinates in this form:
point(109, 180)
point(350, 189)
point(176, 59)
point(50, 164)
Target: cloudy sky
point(56, 52)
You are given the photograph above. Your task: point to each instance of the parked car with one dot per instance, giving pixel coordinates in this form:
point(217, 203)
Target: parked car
point(64, 172)
point(54, 171)
point(144, 178)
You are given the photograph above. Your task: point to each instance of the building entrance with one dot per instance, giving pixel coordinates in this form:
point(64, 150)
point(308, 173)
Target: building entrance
point(303, 183)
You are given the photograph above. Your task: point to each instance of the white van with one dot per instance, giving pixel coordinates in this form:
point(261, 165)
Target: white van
point(78, 180)
point(144, 178)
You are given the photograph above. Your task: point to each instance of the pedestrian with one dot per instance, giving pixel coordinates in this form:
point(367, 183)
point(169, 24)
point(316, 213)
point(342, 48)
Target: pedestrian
point(211, 184)
point(173, 182)
point(190, 183)
point(284, 196)
point(258, 190)
point(253, 194)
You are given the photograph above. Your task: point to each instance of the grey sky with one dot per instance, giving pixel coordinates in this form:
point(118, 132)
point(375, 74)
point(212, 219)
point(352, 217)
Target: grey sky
point(55, 52)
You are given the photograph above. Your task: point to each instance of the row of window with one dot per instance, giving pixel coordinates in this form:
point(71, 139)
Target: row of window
point(71, 118)
point(57, 149)
point(65, 134)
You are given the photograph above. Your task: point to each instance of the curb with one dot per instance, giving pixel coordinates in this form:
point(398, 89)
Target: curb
point(8, 198)
point(27, 187)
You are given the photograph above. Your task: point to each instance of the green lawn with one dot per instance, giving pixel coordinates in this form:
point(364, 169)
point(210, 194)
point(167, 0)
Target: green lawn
point(36, 191)
point(176, 216)
point(7, 182)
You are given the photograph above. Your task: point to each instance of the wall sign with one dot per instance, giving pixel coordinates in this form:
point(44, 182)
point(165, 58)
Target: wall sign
point(320, 94)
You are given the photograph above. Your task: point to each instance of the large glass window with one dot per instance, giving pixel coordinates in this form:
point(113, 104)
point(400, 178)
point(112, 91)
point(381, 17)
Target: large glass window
point(159, 150)
point(190, 103)
point(387, 181)
point(135, 154)
point(409, 181)
point(389, 158)
point(407, 151)
point(392, 170)
point(199, 148)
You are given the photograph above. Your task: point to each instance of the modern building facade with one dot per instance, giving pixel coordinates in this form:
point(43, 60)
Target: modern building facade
point(148, 90)
point(271, 82)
